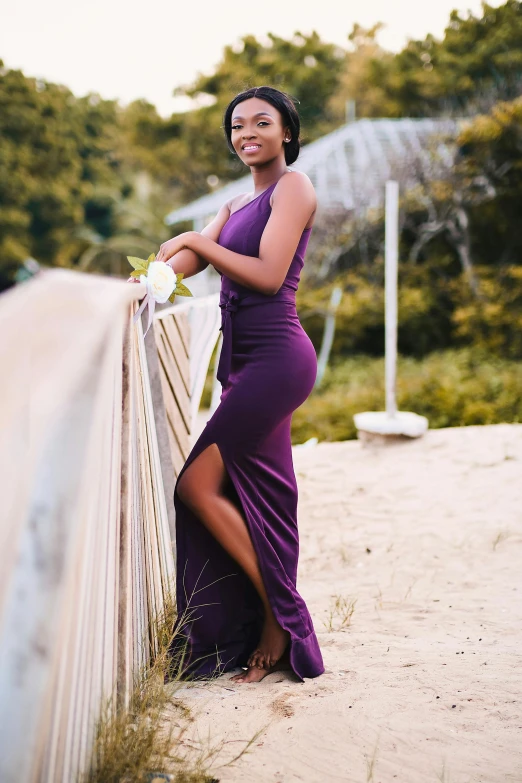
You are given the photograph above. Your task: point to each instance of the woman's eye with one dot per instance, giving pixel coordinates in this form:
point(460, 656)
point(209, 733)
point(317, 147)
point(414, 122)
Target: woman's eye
point(261, 122)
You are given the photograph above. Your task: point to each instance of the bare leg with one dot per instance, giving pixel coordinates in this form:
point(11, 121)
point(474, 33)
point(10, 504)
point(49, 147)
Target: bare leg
point(201, 489)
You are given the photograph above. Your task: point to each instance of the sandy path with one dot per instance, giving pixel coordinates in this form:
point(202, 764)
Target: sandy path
point(425, 684)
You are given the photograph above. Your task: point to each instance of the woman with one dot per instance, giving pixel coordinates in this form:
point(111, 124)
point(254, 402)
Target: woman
point(236, 496)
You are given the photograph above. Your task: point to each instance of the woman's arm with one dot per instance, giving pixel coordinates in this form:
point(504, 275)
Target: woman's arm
point(294, 202)
point(188, 260)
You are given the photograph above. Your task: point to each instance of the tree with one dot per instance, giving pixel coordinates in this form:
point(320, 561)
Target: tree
point(478, 62)
point(355, 81)
point(491, 148)
point(56, 157)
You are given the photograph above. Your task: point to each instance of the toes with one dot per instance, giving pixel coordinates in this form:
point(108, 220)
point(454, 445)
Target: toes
point(257, 659)
point(249, 676)
point(253, 658)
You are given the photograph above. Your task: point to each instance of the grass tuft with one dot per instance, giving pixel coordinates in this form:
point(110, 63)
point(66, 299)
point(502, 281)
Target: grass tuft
point(148, 739)
point(340, 613)
point(501, 536)
point(370, 764)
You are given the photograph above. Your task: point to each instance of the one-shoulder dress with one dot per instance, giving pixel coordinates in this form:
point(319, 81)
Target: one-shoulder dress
point(267, 369)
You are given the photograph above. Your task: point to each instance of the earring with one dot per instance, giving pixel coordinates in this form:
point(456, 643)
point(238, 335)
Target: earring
point(286, 139)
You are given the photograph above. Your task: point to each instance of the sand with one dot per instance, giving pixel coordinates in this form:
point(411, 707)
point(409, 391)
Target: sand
point(424, 681)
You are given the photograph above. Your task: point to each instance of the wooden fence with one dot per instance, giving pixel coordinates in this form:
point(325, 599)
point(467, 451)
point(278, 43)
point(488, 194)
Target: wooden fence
point(95, 424)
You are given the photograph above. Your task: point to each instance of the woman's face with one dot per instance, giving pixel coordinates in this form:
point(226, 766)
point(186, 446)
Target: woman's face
point(257, 132)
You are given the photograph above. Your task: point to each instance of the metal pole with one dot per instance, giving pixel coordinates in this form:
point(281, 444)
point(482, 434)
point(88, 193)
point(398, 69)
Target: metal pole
point(391, 272)
point(328, 334)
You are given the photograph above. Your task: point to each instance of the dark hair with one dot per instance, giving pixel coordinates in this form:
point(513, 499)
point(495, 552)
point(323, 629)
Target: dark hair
point(283, 102)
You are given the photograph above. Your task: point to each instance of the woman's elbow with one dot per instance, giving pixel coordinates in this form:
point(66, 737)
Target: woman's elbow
point(274, 288)
point(267, 289)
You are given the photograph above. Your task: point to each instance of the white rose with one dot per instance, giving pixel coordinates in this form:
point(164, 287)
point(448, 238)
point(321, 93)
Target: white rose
point(160, 280)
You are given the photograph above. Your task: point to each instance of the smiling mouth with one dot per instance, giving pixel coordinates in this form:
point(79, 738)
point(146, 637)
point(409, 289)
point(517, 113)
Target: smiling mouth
point(251, 147)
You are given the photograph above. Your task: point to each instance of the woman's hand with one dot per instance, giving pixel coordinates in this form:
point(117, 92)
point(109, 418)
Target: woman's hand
point(174, 245)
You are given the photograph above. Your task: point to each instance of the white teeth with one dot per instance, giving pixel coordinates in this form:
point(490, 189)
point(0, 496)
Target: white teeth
point(253, 147)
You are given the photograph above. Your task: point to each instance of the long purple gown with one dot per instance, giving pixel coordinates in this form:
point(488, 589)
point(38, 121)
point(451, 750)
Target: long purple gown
point(267, 368)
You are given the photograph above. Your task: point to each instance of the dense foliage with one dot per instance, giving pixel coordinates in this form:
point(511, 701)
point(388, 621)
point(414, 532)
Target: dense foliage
point(55, 161)
point(477, 58)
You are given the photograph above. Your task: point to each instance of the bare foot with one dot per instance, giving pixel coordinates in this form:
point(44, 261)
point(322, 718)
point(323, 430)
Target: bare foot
point(273, 643)
point(255, 674)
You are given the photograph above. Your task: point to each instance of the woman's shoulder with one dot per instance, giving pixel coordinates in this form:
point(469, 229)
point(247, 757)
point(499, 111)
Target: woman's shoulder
point(292, 184)
point(295, 185)
point(298, 177)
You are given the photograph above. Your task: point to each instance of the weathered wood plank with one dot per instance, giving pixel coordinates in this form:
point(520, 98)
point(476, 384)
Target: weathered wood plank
point(160, 417)
point(174, 380)
point(173, 342)
point(87, 494)
point(182, 322)
point(177, 423)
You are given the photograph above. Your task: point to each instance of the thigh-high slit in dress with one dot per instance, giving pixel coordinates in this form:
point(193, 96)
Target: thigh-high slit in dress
point(267, 369)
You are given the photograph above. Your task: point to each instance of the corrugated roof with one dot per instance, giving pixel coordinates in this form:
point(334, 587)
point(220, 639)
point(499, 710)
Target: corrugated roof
point(348, 167)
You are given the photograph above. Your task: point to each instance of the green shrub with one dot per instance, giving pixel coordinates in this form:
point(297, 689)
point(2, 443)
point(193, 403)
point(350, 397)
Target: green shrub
point(493, 322)
point(452, 388)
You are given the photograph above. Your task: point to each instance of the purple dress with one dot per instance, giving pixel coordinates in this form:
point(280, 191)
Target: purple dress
point(267, 368)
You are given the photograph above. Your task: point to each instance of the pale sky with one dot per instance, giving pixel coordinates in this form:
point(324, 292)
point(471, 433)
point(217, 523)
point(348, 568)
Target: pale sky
point(126, 49)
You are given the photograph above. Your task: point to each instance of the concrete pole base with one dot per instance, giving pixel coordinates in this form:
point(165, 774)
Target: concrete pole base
point(382, 428)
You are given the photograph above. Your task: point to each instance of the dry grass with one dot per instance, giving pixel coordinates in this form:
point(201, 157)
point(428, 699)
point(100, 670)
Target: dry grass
point(443, 776)
point(148, 738)
point(370, 764)
point(340, 613)
point(501, 536)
